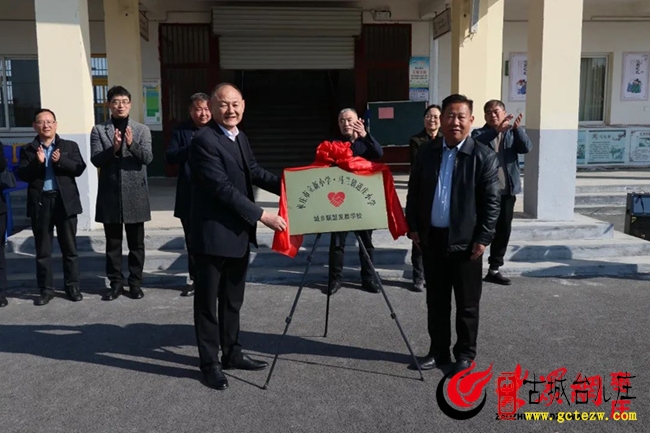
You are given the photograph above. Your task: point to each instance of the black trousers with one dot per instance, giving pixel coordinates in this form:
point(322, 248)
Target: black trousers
point(416, 260)
point(135, 241)
point(443, 272)
point(499, 245)
point(51, 213)
point(337, 252)
point(3, 261)
point(191, 261)
point(220, 280)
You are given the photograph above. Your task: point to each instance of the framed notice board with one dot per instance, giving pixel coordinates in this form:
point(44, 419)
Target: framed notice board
point(394, 123)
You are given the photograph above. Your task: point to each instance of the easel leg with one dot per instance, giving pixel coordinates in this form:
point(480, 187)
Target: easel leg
point(390, 307)
point(293, 308)
point(327, 310)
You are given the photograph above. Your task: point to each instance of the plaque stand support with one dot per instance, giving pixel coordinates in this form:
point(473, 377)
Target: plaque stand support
point(393, 315)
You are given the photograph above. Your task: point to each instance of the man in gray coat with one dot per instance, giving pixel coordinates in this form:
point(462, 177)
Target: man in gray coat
point(121, 151)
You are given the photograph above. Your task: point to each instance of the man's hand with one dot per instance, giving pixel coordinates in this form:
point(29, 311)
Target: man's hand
point(40, 153)
point(415, 237)
point(477, 251)
point(518, 121)
point(128, 136)
point(359, 129)
point(273, 221)
point(56, 155)
point(117, 141)
point(505, 124)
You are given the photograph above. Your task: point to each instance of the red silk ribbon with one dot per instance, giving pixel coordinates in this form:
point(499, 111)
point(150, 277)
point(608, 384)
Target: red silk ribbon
point(339, 153)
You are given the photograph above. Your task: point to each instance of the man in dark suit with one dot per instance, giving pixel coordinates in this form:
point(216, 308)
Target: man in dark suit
point(508, 143)
point(364, 145)
point(177, 153)
point(224, 219)
point(452, 207)
point(430, 132)
point(50, 164)
point(3, 228)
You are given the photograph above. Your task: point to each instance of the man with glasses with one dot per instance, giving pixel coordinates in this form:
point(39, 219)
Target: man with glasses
point(121, 150)
point(50, 164)
point(508, 142)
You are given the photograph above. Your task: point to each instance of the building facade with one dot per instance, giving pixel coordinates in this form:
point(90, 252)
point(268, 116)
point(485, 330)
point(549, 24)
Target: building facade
point(578, 69)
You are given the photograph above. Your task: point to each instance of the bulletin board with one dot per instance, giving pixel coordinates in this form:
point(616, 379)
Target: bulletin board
point(395, 122)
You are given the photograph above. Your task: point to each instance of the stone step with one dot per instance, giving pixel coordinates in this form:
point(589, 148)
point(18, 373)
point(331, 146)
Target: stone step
point(615, 188)
point(603, 266)
point(534, 254)
point(172, 239)
point(599, 209)
point(606, 198)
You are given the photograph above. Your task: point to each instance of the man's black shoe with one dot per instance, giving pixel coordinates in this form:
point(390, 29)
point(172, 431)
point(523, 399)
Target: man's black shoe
point(497, 278)
point(216, 379)
point(332, 287)
point(370, 286)
point(44, 299)
point(429, 363)
point(418, 286)
point(246, 363)
point(113, 293)
point(3, 302)
point(74, 294)
point(461, 364)
point(188, 290)
point(136, 293)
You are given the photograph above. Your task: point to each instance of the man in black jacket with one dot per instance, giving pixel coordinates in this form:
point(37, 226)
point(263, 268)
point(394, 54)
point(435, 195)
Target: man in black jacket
point(177, 153)
point(365, 146)
point(224, 220)
point(50, 164)
point(508, 143)
point(452, 207)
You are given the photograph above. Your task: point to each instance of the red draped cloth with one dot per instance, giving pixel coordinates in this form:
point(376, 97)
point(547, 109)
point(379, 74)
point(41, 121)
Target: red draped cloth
point(339, 153)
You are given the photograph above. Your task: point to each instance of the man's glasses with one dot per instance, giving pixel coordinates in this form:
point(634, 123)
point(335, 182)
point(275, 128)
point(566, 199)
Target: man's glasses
point(45, 122)
point(118, 102)
point(429, 117)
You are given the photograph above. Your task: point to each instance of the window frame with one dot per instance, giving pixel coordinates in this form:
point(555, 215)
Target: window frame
point(607, 91)
point(3, 89)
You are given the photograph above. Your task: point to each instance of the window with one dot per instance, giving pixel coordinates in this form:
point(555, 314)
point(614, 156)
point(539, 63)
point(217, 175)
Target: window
point(99, 67)
point(593, 85)
point(20, 92)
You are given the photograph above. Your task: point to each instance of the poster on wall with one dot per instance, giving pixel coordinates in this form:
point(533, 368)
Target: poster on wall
point(518, 73)
point(419, 95)
point(419, 73)
point(582, 147)
point(640, 146)
point(152, 112)
point(634, 82)
point(607, 146)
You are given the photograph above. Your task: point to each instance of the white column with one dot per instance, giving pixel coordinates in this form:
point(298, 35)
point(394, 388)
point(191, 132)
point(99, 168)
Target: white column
point(123, 50)
point(552, 103)
point(66, 86)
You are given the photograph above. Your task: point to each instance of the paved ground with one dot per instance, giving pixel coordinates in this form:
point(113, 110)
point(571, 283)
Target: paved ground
point(131, 366)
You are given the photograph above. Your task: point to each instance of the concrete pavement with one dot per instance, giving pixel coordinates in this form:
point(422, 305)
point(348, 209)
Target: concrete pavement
point(131, 366)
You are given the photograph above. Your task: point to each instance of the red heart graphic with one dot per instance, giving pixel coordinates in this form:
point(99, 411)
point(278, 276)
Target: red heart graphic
point(336, 198)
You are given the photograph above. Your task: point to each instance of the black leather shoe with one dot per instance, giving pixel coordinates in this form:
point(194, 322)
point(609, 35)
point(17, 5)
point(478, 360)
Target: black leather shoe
point(370, 286)
point(3, 302)
point(246, 363)
point(188, 290)
point(136, 293)
point(461, 365)
point(216, 379)
point(113, 293)
point(74, 294)
point(332, 287)
point(429, 363)
point(44, 299)
point(497, 278)
point(418, 286)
